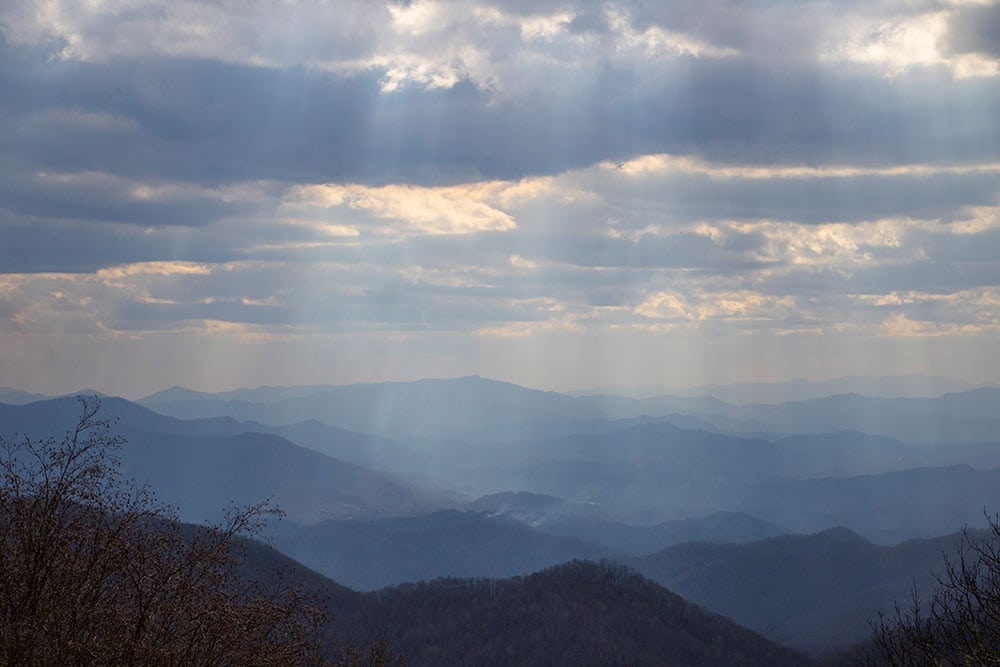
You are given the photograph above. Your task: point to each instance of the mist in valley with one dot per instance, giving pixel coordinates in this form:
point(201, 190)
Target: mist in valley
point(500, 333)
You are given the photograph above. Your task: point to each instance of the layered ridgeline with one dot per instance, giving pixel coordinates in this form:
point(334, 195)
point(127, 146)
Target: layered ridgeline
point(555, 516)
point(646, 473)
point(880, 386)
point(203, 466)
point(572, 614)
point(597, 480)
point(482, 408)
point(653, 460)
point(373, 554)
point(125, 583)
point(816, 593)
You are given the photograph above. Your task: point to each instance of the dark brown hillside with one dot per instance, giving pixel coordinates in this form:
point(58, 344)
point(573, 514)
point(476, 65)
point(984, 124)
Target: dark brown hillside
point(579, 613)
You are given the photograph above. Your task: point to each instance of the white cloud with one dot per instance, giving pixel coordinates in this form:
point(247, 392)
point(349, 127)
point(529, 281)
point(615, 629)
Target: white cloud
point(663, 164)
point(900, 43)
point(410, 209)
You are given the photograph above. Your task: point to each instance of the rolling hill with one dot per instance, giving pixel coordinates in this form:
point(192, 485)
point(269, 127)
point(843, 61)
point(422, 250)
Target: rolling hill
point(203, 466)
point(373, 554)
point(814, 592)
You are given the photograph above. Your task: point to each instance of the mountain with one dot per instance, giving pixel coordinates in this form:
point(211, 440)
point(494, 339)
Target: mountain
point(200, 474)
point(448, 408)
point(53, 417)
point(630, 482)
point(892, 386)
point(815, 592)
point(846, 453)
point(556, 516)
point(570, 614)
point(481, 409)
point(527, 507)
point(970, 416)
point(272, 394)
point(176, 394)
point(203, 466)
point(656, 472)
point(350, 446)
point(982, 455)
point(736, 457)
point(887, 508)
point(645, 474)
point(573, 614)
point(965, 416)
point(262, 394)
point(12, 396)
point(720, 527)
point(650, 473)
point(372, 554)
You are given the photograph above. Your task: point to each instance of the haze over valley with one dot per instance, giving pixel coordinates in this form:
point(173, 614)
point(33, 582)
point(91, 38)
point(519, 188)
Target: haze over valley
point(803, 537)
point(498, 332)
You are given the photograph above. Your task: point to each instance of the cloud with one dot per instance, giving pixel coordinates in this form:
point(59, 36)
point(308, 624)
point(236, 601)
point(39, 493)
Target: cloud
point(957, 38)
point(454, 210)
point(631, 244)
point(459, 179)
point(974, 29)
point(340, 93)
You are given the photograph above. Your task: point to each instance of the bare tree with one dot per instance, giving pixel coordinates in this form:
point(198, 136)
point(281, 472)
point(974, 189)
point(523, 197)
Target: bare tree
point(93, 571)
point(960, 624)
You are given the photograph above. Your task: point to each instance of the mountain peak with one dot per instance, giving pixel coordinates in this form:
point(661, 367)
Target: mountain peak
point(175, 393)
point(841, 534)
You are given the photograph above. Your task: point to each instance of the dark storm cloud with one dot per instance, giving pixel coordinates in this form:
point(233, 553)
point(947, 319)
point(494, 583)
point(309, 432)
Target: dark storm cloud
point(974, 29)
point(96, 200)
point(817, 199)
point(30, 245)
point(207, 121)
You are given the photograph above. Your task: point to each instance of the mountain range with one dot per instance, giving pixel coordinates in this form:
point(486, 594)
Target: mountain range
point(366, 555)
point(799, 519)
point(203, 466)
point(891, 386)
point(814, 592)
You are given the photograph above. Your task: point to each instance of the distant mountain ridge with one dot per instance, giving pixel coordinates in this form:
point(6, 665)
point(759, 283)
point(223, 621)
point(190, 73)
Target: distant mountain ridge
point(618, 488)
point(889, 386)
point(367, 555)
point(478, 408)
point(556, 516)
point(424, 408)
point(570, 614)
point(878, 486)
point(812, 592)
point(13, 396)
point(968, 416)
point(202, 466)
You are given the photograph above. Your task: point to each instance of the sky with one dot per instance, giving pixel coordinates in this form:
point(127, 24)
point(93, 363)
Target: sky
point(561, 194)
